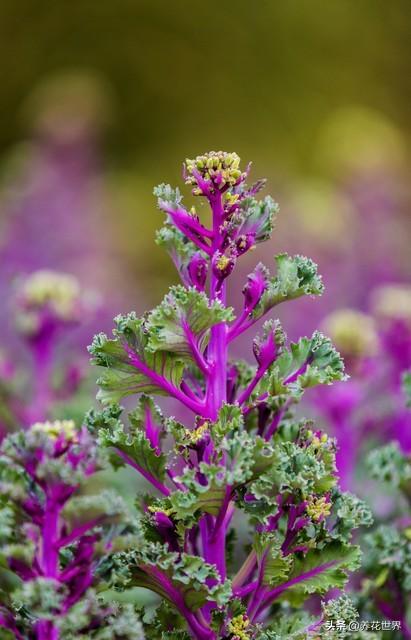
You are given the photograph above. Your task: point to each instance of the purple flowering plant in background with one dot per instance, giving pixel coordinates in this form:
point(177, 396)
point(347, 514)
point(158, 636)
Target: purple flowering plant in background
point(370, 408)
point(244, 459)
point(373, 408)
point(48, 306)
point(53, 537)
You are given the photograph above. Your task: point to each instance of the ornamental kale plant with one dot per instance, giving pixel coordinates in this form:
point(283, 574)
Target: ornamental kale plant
point(53, 538)
point(240, 461)
point(48, 306)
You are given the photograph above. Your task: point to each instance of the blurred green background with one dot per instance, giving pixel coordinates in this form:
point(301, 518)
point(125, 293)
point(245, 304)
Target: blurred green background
point(311, 91)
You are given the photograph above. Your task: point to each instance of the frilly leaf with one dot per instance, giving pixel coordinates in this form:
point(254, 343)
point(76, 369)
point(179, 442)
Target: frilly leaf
point(276, 566)
point(320, 570)
point(132, 367)
point(183, 319)
point(296, 276)
point(172, 575)
point(129, 445)
point(166, 193)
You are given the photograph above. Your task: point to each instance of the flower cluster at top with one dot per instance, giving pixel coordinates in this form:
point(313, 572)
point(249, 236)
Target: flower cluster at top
point(212, 170)
point(240, 459)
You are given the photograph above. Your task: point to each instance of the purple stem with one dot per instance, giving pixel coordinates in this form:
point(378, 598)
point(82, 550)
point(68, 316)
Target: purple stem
point(273, 426)
point(241, 592)
point(277, 591)
point(49, 562)
point(187, 219)
point(236, 327)
point(189, 227)
point(150, 478)
point(214, 537)
point(50, 554)
point(254, 382)
point(79, 531)
point(45, 630)
point(152, 430)
point(223, 511)
point(161, 382)
point(260, 590)
point(189, 391)
point(293, 377)
point(198, 631)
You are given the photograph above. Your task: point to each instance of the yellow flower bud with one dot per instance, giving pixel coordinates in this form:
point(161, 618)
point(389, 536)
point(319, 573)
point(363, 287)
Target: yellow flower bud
point(318, 508)
point(238, 627)
point(59, 290)
point(54, 430)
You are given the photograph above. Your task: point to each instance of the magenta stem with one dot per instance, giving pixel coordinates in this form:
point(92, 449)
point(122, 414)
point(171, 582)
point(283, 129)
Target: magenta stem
point(254, 382)
point(150, 478)
point(161, 382)
point(49, 562)
point(213, 537)
point(79, 531)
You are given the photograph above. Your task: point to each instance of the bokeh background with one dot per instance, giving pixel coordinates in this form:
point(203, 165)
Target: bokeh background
point(100, 101)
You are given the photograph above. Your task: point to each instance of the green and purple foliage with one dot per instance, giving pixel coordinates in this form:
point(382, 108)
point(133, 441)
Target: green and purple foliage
point(369, 409)
point(53, 538)
point(386, 587)
point(243, 461)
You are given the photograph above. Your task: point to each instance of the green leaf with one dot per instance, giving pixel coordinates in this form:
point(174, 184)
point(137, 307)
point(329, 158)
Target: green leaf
point(230, 419)
point(164, 192)
point(148, 418)
point(288, 626)
point(311, 361)
point(387, 554)
point(307, 363)
point(390, 465)
point(131, 441)
point(184, 318)
point(320, 570)
point(196, 497)
point(180, 249)
point(341, 608)
point(275, 566)
point(351, 513)
point(107, 507)
point(132, 367)
point(92, 618)
point(247, 456)
point(296, 276)
point(188, 575)
point(305, 469)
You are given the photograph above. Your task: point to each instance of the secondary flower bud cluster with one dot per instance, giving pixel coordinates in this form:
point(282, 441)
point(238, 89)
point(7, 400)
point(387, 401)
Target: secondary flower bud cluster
point(45, 297)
